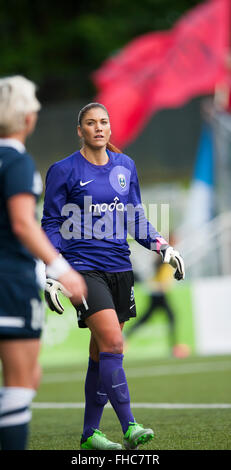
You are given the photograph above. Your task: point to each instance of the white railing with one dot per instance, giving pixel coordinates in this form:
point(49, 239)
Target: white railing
point(208, 251)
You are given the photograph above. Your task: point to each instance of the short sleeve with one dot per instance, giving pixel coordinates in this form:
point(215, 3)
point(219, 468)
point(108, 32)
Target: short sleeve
point(21, 177)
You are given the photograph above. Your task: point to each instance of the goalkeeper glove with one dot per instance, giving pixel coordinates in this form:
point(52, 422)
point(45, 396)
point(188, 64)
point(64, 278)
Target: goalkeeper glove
point(171, 256)
point(52, 288)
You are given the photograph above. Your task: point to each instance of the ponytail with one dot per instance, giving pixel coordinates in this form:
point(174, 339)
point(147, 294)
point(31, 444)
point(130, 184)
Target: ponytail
point(113, 148)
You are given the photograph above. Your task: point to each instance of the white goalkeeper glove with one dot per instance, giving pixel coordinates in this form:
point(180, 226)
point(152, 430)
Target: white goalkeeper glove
point(52, 288)
point(173, 257)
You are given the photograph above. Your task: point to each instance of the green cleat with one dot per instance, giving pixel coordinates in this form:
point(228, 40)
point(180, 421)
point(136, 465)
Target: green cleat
point(98, 441)
point(137, 435)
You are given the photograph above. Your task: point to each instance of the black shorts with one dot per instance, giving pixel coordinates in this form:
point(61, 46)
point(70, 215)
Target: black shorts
point(21, 308)
point(108, 291)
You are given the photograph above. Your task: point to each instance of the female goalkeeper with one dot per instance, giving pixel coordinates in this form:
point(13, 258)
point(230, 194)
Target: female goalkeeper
point(92, 200)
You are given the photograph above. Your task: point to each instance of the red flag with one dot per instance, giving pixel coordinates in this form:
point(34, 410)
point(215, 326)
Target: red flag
point(164, 69)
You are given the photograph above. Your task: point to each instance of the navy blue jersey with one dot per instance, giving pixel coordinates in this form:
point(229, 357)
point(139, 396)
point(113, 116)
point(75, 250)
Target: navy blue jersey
point(17, 175)
point(89, 210)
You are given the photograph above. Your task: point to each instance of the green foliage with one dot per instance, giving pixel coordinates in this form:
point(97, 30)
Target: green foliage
point(45, 39)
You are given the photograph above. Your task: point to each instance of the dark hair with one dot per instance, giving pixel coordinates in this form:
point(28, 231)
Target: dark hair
point(87, 108)
point(84, 111)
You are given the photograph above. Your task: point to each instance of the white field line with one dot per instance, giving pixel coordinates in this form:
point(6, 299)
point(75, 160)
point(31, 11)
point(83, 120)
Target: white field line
point(179, 369)
point(162, 406)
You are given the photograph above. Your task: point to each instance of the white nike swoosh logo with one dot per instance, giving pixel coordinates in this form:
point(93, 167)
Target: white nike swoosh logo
point(86, 182)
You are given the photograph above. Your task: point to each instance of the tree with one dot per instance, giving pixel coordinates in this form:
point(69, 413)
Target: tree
point(61, 43)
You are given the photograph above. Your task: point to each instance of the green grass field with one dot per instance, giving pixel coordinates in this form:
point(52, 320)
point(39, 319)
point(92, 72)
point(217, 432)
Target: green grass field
point(186, 401)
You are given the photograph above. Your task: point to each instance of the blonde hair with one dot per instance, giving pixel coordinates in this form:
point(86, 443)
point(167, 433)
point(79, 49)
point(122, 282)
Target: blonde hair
point(17, 99)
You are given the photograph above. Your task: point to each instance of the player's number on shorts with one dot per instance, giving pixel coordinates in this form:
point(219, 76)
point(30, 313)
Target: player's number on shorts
point(37, 314)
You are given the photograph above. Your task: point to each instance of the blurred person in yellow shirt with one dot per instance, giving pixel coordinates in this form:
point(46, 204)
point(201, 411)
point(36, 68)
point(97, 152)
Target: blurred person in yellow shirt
point(158, 287)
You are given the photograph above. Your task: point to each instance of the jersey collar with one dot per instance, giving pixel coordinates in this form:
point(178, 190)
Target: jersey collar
point(15, 143)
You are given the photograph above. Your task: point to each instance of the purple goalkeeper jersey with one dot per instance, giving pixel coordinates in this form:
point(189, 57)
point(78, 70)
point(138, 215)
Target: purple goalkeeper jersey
point(89, 210)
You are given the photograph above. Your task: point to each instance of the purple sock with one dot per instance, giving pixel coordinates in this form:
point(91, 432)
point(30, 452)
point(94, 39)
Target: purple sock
point(95, 400)
point(114, 381)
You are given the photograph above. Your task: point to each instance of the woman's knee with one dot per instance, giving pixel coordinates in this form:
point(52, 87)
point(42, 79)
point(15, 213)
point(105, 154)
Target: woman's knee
point(20, 363)
point(113, 344)
point(106, 332)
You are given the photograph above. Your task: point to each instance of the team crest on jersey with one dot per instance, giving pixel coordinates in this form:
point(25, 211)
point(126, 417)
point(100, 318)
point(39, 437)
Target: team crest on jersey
point(122, 180)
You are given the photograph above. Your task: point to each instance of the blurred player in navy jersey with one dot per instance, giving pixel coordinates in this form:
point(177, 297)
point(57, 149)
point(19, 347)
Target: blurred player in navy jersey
point(21, 241)
point(92, 200)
